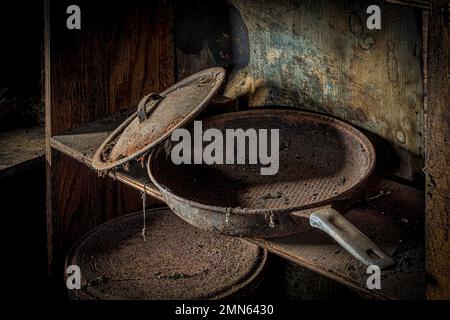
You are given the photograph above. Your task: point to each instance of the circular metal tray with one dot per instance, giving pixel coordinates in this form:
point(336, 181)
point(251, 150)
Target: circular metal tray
point(176, 261)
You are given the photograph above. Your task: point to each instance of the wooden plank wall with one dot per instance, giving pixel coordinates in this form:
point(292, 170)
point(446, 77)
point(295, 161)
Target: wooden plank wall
point(319, 55)
point(437, 140)
point(412, 3)
point(120, 54)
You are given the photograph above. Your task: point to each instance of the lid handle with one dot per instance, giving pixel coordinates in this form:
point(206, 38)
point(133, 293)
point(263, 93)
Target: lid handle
point(152, 100)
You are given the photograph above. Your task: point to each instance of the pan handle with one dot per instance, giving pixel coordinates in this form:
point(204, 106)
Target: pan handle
point(350, 238)
point(152, 99)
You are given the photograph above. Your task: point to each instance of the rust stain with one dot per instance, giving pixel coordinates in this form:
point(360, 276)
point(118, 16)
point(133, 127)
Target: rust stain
point(392, 63)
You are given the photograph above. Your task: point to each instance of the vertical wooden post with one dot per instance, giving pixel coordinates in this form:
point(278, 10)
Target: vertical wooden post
point(48, 149)
point(437, 142)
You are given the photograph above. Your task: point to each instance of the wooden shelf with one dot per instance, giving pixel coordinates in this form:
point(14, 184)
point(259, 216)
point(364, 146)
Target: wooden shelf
point(21, 145)
point(391, 215)
point(393, 219)
point(82, 143)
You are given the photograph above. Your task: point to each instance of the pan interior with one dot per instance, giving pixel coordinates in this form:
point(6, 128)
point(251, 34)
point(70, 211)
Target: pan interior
point(319, 159)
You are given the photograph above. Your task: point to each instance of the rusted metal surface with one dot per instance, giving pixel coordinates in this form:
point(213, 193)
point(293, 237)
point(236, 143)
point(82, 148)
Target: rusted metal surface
point(176, 261)
point(387, 206)
point(180, 104)
point(322, 161)
point(317, 166)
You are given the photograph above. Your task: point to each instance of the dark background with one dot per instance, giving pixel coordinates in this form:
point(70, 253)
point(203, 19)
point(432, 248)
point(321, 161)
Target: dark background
point(22, 187)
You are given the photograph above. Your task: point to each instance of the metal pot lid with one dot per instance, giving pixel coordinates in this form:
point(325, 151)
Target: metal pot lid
point(176, 261)
point(158, 115)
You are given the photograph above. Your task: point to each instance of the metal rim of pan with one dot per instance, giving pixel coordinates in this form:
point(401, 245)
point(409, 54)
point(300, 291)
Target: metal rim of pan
point(249, 211)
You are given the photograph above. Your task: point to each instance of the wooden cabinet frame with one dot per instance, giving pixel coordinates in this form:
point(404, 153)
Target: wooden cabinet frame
point(125, 52)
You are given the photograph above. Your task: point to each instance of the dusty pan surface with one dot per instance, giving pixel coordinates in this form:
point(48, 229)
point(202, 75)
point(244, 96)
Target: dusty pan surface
point(320, 159)
point(176, 260)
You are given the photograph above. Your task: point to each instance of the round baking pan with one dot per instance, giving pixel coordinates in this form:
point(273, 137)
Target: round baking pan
point(174, 261)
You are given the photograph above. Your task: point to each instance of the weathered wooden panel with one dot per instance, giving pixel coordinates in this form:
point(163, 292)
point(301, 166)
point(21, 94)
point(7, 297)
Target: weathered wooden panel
point(413, 3)
point(207, 34)
point(82, 200)
point(107, 65)
point(121, 53)
point(320, 56)
point(20, 145)
point(437, 140)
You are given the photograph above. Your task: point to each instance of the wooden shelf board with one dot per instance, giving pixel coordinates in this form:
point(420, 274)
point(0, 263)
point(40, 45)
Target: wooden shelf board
point(21, 145)
point(82, 143)
point(391, 216)
point(393, 221)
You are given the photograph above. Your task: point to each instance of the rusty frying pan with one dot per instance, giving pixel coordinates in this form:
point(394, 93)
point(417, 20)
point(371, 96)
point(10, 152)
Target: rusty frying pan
point(323, 163)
